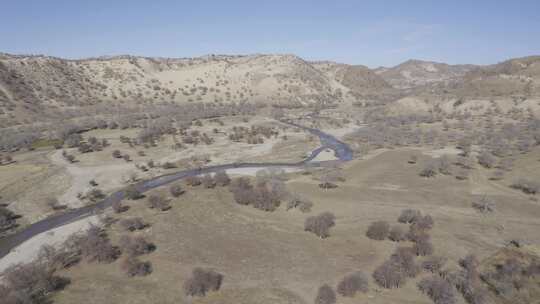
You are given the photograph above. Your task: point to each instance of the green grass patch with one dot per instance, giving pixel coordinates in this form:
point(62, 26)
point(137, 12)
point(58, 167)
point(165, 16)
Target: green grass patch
point(46, 143)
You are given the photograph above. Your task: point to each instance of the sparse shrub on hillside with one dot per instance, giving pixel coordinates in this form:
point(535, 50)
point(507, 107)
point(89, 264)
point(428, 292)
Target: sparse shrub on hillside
point(193, 181)
point(202, 281)
point(409, 215)
point(433, 263)
point(208, 181)
point(320, 225)
point(430, 170)
point(134, 267)
point(389, 275)
point(484, 205)
point(135, 246)
point(527, 186)
point(73, 140)
point(397, 234)
point(95, 195)
point(96, 246)
point(158, 202)
point(487, 160)
point(300, 203)
point(325, 295)
point(423, 246)
point(30, 283)
point(118, 207)
point(378, 230)
point(352, 283)
point(176, 190)
point(133, 193)
point(117, 154)
point(438, 289)
point(444, 165)
point(7, 219)
point(132, 224)
point(424, 222)
point(222, 178)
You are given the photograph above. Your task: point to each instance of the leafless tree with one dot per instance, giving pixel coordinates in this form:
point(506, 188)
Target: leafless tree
point(484, 205)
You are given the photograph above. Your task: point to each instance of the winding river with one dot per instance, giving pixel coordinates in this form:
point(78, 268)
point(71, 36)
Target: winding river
point(342, 151)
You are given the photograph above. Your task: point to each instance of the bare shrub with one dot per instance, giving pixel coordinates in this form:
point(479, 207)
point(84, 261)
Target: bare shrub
point(133, 193)
point(487, 160)
point(527, 186)
point(118, 207)
point(409, 215)
point(325, 295)
point(193, 181)
point(397, 234)
point(96, 246)
point(222, 178)
point(404, 257)
point(158, 202)
point(59, 258)
point(208, 181)
point(438, 289)
point(433, 263)
point(352, 283)
point(202, 281)
point(430, 170)
point(423, 246)
point(320, 225)
point(484, 205)
point(378, 230)
point(176, 190)
point(135, 246)
point(300, 203)
point(117, 154)
point(30, 283)
point(424, 222)
point(444, 165)
point(389, 275)
point(134, 267)
point(133, 223)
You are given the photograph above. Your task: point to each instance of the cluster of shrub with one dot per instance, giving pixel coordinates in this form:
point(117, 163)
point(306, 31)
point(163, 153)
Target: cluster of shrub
point(7, 219)
point(402, 265)
point(347, 287)
point(264, 195)
point(5, 160)
point(34, 282)
point(253, 135)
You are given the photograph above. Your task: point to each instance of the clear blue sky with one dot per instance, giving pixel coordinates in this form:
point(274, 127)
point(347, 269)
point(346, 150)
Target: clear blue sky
point(372, 33)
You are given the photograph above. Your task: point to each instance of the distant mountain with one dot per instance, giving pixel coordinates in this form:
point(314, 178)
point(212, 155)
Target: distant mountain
point(34, 88)
point(415, 73)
